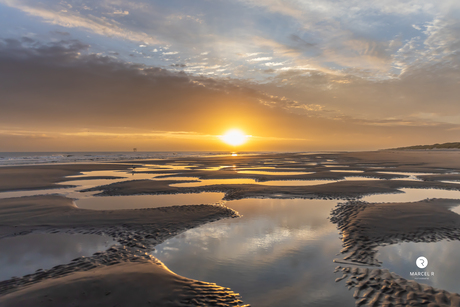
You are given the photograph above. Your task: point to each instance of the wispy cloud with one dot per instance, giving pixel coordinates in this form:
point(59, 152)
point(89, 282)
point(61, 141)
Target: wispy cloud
point(72, 19)
point(260, 59)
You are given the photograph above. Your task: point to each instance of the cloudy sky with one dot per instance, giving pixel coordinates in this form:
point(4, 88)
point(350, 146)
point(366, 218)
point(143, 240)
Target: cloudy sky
point(174, 75)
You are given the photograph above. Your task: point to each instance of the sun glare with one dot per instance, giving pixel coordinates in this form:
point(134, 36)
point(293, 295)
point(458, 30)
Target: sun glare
point(234, 137)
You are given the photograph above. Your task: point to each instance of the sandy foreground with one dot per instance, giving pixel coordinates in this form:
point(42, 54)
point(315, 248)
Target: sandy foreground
point(122, 276)
point(125, 275)
point(126, 284)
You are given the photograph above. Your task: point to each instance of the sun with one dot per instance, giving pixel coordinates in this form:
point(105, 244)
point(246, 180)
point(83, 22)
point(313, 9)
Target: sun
point(234, 137)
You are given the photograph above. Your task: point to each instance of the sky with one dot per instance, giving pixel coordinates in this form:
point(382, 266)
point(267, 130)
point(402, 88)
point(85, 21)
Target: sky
point(296, 75)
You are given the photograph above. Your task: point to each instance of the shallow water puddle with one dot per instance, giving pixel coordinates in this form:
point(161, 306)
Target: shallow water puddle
point(410, 178)
point(129, 174)
point(345, 171)
point(178, 167)
point(451, 181)
point(409, 175)
point(412, 195)
point(115, 173)
point(274, 173)
point(146, 201)
point(442, 259)
point(24, 255)
point(295, 182)
point(360, 178)
point(279, 253)
point(300, 163)
point(212, 168)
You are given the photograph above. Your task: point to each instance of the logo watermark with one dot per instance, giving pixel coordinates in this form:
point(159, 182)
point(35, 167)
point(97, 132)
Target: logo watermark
point(421, 263)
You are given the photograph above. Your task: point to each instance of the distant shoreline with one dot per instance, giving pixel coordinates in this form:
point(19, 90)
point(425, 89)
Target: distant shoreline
point(443, 146)
point(421, 149)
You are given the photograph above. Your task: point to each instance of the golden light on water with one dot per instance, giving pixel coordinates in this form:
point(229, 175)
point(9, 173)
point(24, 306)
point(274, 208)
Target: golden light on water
point(234, 137)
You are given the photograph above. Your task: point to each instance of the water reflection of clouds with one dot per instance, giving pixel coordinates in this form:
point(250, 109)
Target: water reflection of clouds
point(23, 255)
point(278, 254)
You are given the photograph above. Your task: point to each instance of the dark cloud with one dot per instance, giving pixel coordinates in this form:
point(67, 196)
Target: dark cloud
point(59, 84)
point(429, 87)
point(62, 33)
point(27, 40)
point(53, 53)
point(300, 42)
point(61, 87)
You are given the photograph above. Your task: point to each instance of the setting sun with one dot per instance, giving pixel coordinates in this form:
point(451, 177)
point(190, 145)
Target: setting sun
point(234, 137)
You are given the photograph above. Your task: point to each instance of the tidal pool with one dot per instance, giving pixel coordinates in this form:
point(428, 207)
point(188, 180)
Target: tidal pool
point(274, 173)
point(24, 255)
point(345, 171)
point(279, 253)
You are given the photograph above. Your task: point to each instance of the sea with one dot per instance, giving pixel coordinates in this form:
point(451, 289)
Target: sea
point(28, 158)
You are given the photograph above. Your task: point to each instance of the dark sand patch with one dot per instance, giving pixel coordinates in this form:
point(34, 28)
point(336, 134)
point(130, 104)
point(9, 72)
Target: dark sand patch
point(14, 178)
point(58, 211)
point(445, 177)
point(38, 212)
point(146, 283)
point(376, 287)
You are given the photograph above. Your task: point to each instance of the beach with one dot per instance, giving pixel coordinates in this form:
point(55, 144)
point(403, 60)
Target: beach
point(128, 273)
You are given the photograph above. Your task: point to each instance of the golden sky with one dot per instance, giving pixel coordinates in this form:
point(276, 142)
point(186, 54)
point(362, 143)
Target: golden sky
point(176, 75)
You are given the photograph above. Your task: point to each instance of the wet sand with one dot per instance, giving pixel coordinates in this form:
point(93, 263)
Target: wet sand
point(14, 178)
point(25, 214)
point(380, 287)
point(108, 277)
point(365, 226)
point(136, 231)
point(334, 190)
point(146, 283)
